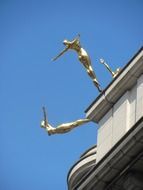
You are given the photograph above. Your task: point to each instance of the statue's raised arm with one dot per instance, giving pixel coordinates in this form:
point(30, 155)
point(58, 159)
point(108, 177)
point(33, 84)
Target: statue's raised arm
point(63, 128)
point(113, 73)
point(83, 58)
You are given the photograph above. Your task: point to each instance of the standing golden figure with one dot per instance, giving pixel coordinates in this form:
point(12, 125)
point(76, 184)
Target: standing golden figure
point(83, 58)
point(113, 73)
point(63, 128)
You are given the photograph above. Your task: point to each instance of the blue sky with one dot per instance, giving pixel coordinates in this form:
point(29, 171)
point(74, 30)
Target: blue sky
point(31, 34)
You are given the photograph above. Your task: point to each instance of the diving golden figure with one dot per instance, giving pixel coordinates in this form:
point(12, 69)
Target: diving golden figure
point(83, 58)
point(115, 73)
point(63, 128)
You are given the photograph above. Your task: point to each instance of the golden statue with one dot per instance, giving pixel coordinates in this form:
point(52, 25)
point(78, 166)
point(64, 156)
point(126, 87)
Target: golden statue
point(115, 73)
point(63, 128)
point(83, 58)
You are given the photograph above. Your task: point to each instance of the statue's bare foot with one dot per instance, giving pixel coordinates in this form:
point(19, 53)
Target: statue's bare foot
point(97, 85)
point(99, 88)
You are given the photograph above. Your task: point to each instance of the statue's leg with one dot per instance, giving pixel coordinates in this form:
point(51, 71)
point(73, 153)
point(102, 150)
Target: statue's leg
point(94, 79)
point(92, 75)
point(80, 122)
point(64, 128)
point(76, 123)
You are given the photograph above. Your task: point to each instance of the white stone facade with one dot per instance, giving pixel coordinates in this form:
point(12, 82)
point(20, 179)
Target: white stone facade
point(120, 118)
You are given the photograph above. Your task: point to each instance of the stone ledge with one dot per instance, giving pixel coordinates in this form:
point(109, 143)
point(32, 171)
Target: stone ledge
point(123, 82)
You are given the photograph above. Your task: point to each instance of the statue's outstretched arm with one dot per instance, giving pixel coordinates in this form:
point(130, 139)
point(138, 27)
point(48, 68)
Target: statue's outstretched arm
point(60, 54)
point(67, 44)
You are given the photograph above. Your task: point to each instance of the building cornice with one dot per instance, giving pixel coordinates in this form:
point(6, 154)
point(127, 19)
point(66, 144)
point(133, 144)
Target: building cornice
point(123, 82)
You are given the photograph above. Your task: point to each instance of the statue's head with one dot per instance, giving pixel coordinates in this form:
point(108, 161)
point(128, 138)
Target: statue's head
point(66, 42)
point(43, 124)
point(74, 44)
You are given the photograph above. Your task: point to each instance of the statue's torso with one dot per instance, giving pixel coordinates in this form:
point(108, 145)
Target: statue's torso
point(83, 57)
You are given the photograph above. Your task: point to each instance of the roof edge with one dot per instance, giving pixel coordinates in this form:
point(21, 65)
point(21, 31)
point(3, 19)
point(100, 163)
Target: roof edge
point(103, 92)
